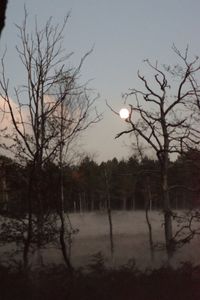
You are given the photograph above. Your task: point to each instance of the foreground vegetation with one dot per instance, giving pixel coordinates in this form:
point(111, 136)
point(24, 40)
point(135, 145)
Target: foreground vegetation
point(97, 282)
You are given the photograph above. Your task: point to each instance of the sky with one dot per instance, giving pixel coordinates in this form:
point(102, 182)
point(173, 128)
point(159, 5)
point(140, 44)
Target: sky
point(123, 33)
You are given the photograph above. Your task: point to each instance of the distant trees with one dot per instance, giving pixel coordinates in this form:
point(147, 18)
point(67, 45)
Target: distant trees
point(84, 186)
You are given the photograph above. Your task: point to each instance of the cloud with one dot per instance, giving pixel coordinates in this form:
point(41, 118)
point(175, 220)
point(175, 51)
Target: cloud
point(6, 122)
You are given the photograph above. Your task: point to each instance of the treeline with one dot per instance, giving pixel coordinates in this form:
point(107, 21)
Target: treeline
point(130, 184)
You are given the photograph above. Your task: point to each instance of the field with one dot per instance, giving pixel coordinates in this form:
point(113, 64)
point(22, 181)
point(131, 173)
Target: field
point(130, 240)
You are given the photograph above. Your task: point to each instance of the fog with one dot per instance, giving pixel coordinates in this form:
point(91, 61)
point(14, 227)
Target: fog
point(131, 240)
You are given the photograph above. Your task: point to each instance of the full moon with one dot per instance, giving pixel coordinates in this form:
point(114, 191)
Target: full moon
point(124, 113)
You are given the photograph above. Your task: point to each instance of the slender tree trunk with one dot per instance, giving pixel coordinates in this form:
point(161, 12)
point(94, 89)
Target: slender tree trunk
point(40, 213)
point(75, 209)
point(5, 192)
point(41, 132)
point(163, 157)
point(61, 204)
point(133, 196)
point(28, 238)
point(92, 203)
point(63, 224)
point(167, 212)
point(124, 202)
point(147, 208)
point(108, 206)
point(80, 203)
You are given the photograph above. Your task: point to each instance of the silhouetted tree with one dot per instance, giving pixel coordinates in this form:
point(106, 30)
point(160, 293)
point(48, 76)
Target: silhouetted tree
point(156, 118)
point(71, 117)
point(37, 138)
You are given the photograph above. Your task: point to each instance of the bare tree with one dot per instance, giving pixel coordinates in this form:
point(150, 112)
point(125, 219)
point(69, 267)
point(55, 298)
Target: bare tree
point(164, 122)
point(73, 116)
point(34, 137)
point(136, 146)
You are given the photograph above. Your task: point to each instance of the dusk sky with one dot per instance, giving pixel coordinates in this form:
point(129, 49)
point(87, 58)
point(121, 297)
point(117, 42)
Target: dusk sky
point(123, 34)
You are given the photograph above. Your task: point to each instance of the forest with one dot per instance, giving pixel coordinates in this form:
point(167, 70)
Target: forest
point(85, 185)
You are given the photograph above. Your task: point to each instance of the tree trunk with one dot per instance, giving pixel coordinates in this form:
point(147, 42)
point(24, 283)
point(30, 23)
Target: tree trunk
point(40, 213)
point(124, 201)
point(147, 208)
point(63, 244)
point(63, 225)
point(61, 204)
point(167, 214)
point(5, 193)
point(92, 208)
point(133, 195)
point(27, 240)
point(108, 206)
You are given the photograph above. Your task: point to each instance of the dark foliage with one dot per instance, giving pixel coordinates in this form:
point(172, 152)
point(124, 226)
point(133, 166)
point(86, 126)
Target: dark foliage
point(85, 186)
point(126, 282)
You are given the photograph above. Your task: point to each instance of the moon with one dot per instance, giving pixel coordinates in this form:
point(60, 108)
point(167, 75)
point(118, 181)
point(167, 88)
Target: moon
point(124, 113)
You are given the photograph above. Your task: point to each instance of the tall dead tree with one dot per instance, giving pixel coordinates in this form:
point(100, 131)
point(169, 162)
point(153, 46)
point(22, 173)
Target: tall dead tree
point(161, 118)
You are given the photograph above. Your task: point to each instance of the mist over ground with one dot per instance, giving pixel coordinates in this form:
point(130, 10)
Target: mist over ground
point(131, 241)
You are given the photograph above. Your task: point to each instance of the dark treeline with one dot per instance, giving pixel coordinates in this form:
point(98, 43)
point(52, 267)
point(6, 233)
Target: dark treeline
point(131, 183)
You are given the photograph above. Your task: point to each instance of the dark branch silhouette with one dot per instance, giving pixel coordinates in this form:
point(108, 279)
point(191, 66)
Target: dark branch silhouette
point(3, 6)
